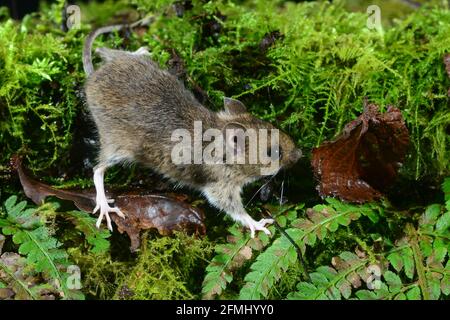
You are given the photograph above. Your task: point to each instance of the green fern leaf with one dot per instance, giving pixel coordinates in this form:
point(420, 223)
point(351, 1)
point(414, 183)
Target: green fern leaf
point(85, 223)
point(229, 257)
point(443, 223)
point(392, 280)
point(408, 261)
point(42, 251)
point(396, 261)
point(366, 295)
point(281, 255)
point(333, 283)
point(421, 254)
point(413, 294)
point(268, 267)
point(325, 219)
point(445, 282)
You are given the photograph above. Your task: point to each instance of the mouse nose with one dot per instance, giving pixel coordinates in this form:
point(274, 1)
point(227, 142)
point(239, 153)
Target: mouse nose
point(295, 155)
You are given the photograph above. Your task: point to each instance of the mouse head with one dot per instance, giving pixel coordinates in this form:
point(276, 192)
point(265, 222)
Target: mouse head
point(254, 148)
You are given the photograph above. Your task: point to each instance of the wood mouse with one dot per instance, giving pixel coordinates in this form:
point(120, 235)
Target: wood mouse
point(137, 106)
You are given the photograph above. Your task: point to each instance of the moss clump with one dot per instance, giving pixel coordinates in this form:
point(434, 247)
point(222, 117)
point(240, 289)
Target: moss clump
point(39, 78)
point(167, 268)
point(164, 268)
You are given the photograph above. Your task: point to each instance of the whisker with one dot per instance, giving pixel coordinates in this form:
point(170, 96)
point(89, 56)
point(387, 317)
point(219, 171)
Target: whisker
point(281, 194)
point(265, 184)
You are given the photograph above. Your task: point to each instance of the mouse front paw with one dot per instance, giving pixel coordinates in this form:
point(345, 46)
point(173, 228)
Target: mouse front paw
point(257, 225)
point(105, 209)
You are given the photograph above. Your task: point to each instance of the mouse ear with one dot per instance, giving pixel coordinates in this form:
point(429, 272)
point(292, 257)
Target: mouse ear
point(234, 137)
point(233, 106)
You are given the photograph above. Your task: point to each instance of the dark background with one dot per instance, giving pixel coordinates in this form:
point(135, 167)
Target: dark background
point(19, 8)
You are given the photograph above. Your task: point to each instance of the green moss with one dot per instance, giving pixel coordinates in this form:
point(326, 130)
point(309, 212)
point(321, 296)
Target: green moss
point(310, 82)
point(314, 79)
point(40, 74)
point(167, 268)
point(101, 275)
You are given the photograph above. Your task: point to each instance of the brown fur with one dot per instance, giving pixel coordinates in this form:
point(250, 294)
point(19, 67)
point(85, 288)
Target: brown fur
point(136, 106)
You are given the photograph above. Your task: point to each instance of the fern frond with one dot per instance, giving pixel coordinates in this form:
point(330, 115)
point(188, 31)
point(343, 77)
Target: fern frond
point(269, 266)
point(282, 255)
point(85, 223)
point(329, 283)
point(42, 251)
point(19, 284)
point(392, 289)
point(23, 280)
point(422, 255)
point(229, 257)
point(327, 218)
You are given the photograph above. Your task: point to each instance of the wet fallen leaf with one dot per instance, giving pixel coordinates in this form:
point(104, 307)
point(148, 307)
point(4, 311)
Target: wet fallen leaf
point(364, 159)
point(166, 213)
point(38, 191)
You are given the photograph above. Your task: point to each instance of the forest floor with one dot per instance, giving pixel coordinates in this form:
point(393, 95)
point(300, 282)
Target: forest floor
point(309, 68)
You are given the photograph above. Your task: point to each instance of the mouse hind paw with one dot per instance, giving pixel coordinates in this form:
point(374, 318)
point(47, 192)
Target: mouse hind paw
point(105, 209)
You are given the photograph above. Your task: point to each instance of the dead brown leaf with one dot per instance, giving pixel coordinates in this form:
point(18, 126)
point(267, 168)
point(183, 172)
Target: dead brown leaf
point(166, 213)
point(364, 159)
point(354, 279)
point(38, 191)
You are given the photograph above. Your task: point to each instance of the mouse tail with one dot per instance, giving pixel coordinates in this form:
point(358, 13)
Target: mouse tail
point(87, 48)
